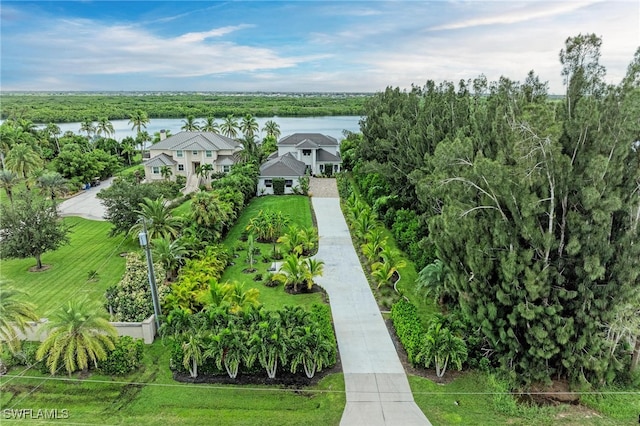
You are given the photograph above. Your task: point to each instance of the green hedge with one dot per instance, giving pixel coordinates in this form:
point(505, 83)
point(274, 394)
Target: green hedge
point(408, 327)
point(278, 186)
point(124, 358)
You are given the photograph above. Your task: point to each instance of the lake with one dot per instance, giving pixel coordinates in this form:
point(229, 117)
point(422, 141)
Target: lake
point(328, 125)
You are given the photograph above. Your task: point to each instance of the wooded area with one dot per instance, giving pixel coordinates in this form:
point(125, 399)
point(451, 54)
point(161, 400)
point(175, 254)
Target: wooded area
point(70, 107)
point(530, 205)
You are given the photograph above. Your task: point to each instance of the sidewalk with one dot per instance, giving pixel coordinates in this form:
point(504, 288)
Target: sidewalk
point(378, 391)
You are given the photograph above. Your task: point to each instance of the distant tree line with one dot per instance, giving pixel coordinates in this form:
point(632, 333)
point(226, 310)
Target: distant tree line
point(61, 108)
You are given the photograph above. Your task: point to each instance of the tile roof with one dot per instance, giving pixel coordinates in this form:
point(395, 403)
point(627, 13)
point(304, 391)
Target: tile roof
point(160, 160)
point(284, 166)
point(197, 141)
point(318, 138)
point(322, 155)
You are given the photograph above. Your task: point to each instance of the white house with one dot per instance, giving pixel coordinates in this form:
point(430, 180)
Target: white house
point(185, 152)
point(315, 150)
point(299, 154)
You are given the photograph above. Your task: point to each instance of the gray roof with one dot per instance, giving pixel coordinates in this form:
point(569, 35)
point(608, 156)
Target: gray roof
point(322, 155)
point(160, 160)
point(284, 166)
point(318, 138)
point(226, 160)
point(307, 143)
point(197, 141)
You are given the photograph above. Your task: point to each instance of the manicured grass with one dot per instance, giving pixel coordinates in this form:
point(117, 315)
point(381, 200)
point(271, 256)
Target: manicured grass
point(90, 249)
point(298, 209)
point(151, 397)
point(478, 406)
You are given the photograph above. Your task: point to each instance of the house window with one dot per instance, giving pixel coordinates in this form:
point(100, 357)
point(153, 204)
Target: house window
point(288, 183)
point(268, 183)
point(181, 167)
point(209, 154)
point(226, 168)
point(179, 154)
point(156, 170)
point(306, 152)
point(194, 152)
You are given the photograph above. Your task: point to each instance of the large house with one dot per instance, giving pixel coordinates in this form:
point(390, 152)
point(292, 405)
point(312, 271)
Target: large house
point(185, 153)
point(299, 154)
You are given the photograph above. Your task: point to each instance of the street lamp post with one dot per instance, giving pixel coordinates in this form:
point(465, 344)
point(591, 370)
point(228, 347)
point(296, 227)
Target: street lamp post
point(144, 242)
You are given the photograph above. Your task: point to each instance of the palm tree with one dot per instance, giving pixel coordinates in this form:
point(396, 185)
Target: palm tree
point(14, 313)
point(314, 268)
point(239, 299)
point(441, 347)
point(294, 271)
point(8, 180)
point(268, 344)
point(190, 125)
point(210, 213)
point(139, 120)
point(230, 126)
point(160, 222)
point(171, 254)
point(23, 160)
point(229, 348)
point(128, 148)
point(249, 126)
point(105, 127)
point(207, 170)
point(193, 355)
point(80, 333)
point(210, 125)
point(166, 172)
point(272, 129)
point(52, 131)
point(52, 184)
point(87, 126)
point(432, 279)
point(141, 139)
point(310, 348)
point(250, 151)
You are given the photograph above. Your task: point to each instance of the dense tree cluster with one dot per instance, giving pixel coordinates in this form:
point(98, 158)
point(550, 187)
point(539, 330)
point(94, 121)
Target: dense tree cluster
point(532, 206)
point(61, 108)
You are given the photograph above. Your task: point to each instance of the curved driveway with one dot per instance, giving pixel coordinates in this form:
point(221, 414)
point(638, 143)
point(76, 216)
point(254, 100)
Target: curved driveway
point(85, 204)
point(378, 391)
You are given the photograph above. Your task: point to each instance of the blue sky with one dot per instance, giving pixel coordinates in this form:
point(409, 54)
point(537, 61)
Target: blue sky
point(306, 46)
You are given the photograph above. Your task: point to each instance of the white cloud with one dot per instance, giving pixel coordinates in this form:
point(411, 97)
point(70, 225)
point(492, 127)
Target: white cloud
point(216, 32)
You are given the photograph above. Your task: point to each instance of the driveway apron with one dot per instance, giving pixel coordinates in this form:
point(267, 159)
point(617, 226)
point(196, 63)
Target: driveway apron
point(377, 388)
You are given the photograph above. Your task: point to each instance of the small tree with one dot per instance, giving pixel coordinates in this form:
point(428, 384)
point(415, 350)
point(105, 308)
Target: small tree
point(441, 347)
point(30, 228)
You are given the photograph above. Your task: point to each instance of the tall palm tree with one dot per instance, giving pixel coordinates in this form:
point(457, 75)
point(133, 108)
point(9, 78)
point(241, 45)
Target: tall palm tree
point(249, 126)
point(105, 127)
point(139, 120)
point(23, 160)
point(190, 124)
point(210, 125)
point(441, 347)
point(80, 333)
point(52, 131)
point(141, 139)
point(8, 180)
point(14, 313)
point(310, 348)
point(128, 148)
point(268, 344)
point(271, 129)
point(160, 222)
point(230, 126)
point(171, 254)
point(87, 126)
point(52, 184)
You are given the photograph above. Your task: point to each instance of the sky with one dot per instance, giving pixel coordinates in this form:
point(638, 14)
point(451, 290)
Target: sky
point(299, 46)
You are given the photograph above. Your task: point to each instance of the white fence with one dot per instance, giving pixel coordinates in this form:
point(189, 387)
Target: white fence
point(145, 330)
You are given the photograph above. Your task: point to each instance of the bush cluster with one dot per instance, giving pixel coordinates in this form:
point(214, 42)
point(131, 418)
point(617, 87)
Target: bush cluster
point(404, 316)
point(124, 358)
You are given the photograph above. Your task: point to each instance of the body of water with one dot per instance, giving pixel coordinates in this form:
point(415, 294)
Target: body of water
point(328, 125)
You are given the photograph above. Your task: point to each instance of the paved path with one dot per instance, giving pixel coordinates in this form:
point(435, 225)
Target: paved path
point(378, 392)
point(85, 204)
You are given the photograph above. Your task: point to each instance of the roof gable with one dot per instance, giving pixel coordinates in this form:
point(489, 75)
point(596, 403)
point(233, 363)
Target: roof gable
point(284, 166)
point(160, 160)
point(317, 138)
point(197, 141)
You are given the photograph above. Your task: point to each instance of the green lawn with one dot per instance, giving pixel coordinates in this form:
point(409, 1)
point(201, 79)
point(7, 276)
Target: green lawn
point(90, 249)
point(156, 398)
point(298, 208)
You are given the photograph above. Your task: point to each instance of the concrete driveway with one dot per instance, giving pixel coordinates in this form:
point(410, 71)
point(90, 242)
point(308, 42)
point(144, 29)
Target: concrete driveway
point(378, 391)
point(85, 204)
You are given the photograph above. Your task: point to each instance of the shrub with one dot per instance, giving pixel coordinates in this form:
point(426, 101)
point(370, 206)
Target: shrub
point(124, 358)
point(181, 181)
point(408, 327)
point(278, 186)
